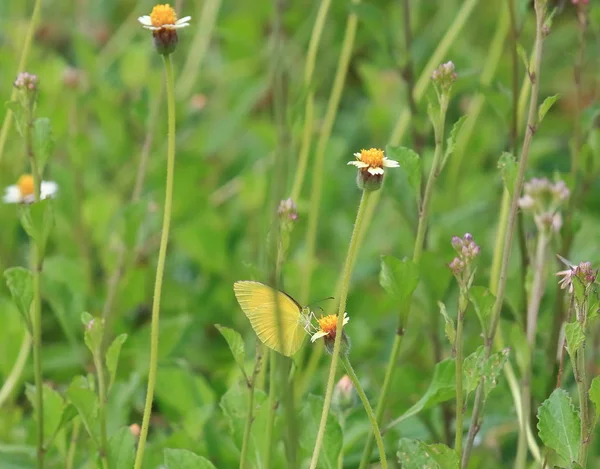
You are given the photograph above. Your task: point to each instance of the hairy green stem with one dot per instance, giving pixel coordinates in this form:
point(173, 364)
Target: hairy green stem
point(463, 302)
point(584, 413)
point(534, 76)
point(533, 308)
point(345, 286)
point(101, 408)
point(160, 267)
point(272, 402)
point(33, 22)
point(418, 251)
point(37, 349)
point(368, 410)
point(251, 383)
point(70, 459)
point(319, 163)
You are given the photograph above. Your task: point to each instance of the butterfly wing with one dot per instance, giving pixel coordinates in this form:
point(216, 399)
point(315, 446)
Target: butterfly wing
point(259, 303)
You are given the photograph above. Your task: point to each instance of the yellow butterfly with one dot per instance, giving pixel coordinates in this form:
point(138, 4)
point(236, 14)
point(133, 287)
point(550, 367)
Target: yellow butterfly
point(260, 302)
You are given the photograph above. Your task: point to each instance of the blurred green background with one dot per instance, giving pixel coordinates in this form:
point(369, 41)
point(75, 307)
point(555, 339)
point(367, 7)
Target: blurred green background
point(101, 86)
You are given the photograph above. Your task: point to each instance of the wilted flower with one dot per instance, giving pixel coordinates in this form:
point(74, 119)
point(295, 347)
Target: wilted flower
point(371, 164)
point(164, 24)
point(287, 210)
point(26, 81)
point(23, 191)
point(444, 76)
point(583, 272)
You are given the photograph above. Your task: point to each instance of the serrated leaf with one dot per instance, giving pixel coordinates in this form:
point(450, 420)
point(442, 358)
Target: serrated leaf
point(184, 459)
point(86, 403)
point(37, 220)
point(453, 137)
point(121, 449)
point(575, 337)
point(43, 141)
point(112, 357)
point(442, 388)
point(594, 394)
point(483, 301)
point(449, 326)
point(477, 368)
point(20, 283)
point(236, 345)
point(53, 408)
point(410, 162)
point(508, 168)
point(415, 454)
point(545, 106)
point(523, 55)
point(559, 425)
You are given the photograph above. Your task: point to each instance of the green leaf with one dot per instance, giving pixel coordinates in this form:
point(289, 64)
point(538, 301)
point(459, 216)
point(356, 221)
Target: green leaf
point(410, 162)
point(508, 167)
point(53, 405)
point(20, 283)
point(86, 403)
point(400, 279)
point(121, 449)
point(523, 55)
point(179, 389)
point(545, 106)
point(37, 220)
point(483, 301)
point(451, 141)
point(449, 327)
point(442, 388)
point(575, 337)
point(94, 332)
point(43, 141)
point(559, 425)
point(310, 415)
point(112, 357)
point(184, 459)
point(594, 394)
point(415, 454)
point(236, 345)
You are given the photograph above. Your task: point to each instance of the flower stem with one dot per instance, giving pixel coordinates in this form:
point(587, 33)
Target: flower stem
point(160, 268)
point(534, 76)
point(418, 251)
point(251, 383)
point(537, 291)
point(33, 22)
point(311, 56)
point(463, 302)
point(317, 178)
point(345, 285)
point(272, 402)
point(17, 370)
point(37, 352)
point(73, 443)
point(101, 408)
point(581, 379)
point(368, 409)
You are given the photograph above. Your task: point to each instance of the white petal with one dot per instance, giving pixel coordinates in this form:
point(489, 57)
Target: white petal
point(185, 19)
point(375, 171)
point(12, 195)
point(151, 28)
point(390, 163)
point(48, 189)
point(318, 335)
point(357, 154)
point(359, 164)
point(145, 20)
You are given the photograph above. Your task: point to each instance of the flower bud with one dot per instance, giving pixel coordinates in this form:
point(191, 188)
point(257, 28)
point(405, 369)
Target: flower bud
point(444, 77)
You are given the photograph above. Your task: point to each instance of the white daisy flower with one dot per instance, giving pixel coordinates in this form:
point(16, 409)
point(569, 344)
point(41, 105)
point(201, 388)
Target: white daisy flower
point(328, 326)
point(23, 191)
point(373, 161)
point(163, 17)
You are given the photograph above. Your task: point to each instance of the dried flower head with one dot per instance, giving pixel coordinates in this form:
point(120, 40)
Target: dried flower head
point(164, 24)
point(444, 76)
point(23, 192)
point(583, 272)
point(371, 164)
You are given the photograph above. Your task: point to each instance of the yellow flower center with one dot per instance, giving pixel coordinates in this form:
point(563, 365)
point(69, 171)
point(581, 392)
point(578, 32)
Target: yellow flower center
point(25, 185)
point(162, 15)
point(373, 157)
point(328, 324)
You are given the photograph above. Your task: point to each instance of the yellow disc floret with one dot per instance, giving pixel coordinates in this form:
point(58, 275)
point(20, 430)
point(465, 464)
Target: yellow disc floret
point(25, 184)
point(162, 15)
point(373, 157)
point(328, 324)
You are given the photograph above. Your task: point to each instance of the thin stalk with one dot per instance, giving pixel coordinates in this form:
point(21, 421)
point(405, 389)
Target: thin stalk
point(102, 408)
point(160, 268)
point(418, 251)
point(319, 164)
point(463, 302)
point(269, 446)
point(251, 383)
point(346, 276)
point(537, 291)
point(534, 77)
point(17, 370)
point(311, 57)
point(70, 459)
point(37, 352)
point(368, 409)
point(582, 386)
point(408, 72)
point(35, 16)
